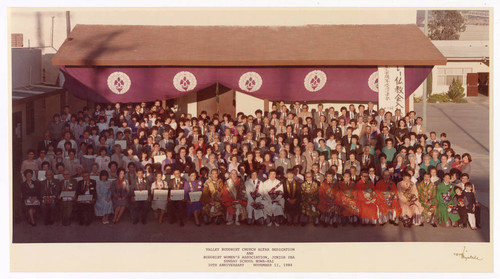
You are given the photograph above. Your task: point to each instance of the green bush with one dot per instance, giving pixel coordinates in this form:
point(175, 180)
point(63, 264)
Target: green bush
point(438, 98)
point(456, 92)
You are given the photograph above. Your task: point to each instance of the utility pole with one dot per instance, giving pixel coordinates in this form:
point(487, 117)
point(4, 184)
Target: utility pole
point(424, 96)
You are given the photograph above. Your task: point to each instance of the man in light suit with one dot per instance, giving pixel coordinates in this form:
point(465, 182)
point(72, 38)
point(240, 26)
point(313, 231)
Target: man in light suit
point(249, 141)
point(297, 158)
point(311, 156)
point(418, 128)
point(283, 161)
point(200, 161)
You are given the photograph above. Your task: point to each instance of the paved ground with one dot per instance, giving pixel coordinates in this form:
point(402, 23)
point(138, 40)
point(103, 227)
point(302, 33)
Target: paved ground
point(467, 126)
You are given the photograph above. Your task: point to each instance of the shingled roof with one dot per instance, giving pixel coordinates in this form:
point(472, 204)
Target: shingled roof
point(308, 45)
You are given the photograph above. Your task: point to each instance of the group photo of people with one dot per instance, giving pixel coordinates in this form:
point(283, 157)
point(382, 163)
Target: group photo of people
point(295, 165)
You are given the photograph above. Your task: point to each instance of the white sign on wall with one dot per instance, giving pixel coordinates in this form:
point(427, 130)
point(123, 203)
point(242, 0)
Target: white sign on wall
point(391, 88)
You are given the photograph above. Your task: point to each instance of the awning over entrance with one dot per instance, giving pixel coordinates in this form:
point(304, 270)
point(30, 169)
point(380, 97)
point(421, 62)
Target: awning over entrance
point(313, 62)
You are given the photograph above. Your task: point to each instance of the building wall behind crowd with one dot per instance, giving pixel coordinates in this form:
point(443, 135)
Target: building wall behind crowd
point(26, 67)
point(44, 107)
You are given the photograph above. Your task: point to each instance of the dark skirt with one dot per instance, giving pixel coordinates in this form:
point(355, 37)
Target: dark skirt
point(191, 208)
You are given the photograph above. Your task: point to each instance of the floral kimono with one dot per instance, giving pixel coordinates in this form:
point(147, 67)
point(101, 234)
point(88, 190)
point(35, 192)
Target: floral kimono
point(326, 198)
point(367, 201)
point(444, 196)
point(408, 198)
point(234, 198)
point(346, 199)
point(388, 201)
point(327, 205)
point(211, 198)
point(310, 199)
point(427, 198)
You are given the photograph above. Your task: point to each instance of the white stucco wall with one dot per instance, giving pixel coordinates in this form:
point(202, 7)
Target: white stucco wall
point(473, 66)
point(248, 104)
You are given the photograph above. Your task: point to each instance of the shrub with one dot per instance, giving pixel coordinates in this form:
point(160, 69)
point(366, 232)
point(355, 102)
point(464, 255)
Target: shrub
point(456, 92)
point(438, 98)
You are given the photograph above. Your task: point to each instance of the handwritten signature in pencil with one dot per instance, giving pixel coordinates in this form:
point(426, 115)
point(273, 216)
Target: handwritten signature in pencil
point(465, 256)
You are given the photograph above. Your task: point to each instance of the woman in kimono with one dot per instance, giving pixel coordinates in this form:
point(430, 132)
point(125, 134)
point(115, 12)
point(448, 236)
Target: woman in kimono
point(427, 198)
point(31, 195)
point(387, 192)
point(211, 199)
point(120, 191)
point(411, 209)
point(274, 202)
point(255, 206)
point(309, 200)
point(193, 207)
point(327, 207)
point(104, 205)
point(234, 199)
point(444, 196)
point(291, 189)
point(367, 200)
point(159, 206)
point(347, 199)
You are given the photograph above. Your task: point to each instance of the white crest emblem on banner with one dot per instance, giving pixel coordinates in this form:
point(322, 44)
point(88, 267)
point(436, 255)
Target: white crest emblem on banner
point(250, 81)
point(119, 82)
point(315, 80)
point(62, 79)
point(373, 81)
point(184, 81)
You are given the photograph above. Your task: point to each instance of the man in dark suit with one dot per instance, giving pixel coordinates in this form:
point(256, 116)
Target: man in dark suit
point(334, 129)
point(370, 111)
point(85, 209)
point(383, 137)
point(352, 114)
point(45, 142)
point(366, 159)
point(176, 209)
point(67, 184)
point(139, 209)
point(289, 135)
point(347, 139)
point(195, 135)
point(50, 190)
point(364, 139)
point(318, 113)
point(86, 138)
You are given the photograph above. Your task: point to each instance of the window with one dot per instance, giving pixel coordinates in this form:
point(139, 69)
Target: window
point(30, 118)
point(17, 40)
point(445, 76)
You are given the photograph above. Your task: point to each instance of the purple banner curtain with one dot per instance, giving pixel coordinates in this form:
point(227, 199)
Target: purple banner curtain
point(137, 84)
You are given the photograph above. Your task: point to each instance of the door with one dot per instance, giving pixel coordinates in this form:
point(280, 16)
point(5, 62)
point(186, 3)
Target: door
point(17, 157)
point(472, 84)
point(484, 80)
point(208, 101)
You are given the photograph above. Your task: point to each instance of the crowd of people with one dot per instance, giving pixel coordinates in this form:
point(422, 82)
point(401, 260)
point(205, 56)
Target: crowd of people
point(289, 166)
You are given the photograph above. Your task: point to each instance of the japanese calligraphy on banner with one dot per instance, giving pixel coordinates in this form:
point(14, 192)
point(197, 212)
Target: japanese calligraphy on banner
point(391, 88)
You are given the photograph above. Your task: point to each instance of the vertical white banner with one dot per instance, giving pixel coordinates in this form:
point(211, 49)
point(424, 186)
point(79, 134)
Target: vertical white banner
point(391, 88)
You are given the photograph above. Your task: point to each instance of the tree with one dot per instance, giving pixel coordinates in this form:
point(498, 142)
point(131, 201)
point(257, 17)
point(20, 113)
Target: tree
point(456, 91)
point(446, 25)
